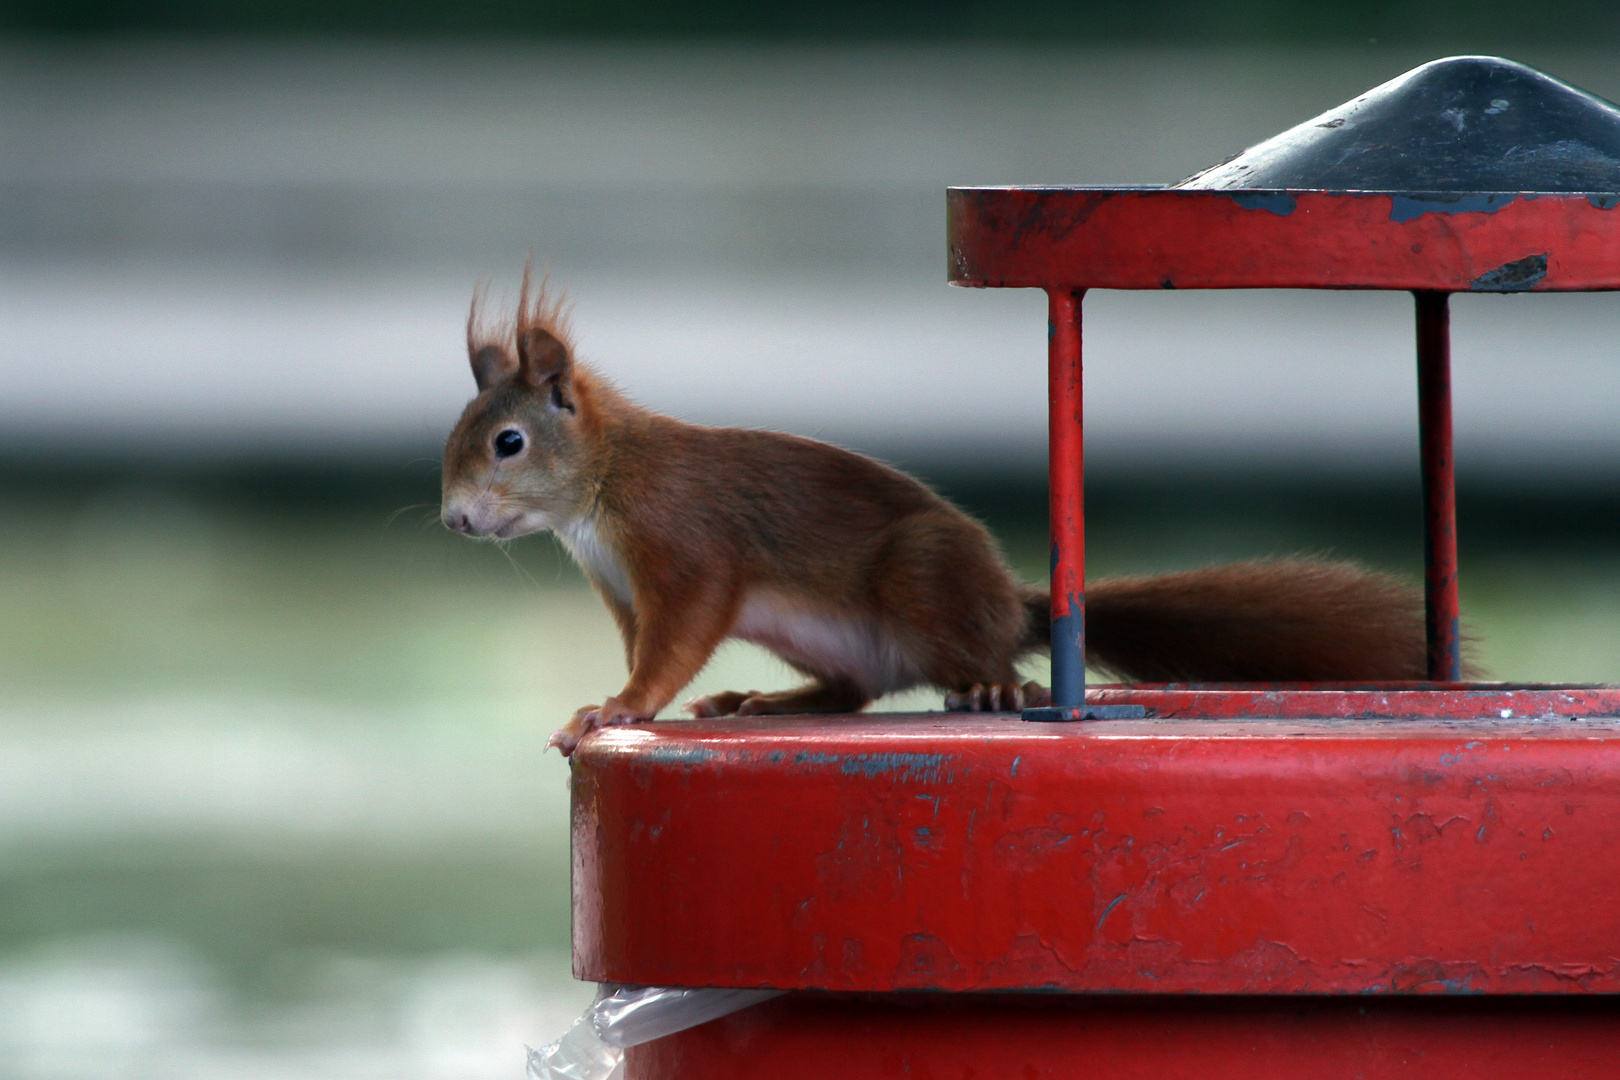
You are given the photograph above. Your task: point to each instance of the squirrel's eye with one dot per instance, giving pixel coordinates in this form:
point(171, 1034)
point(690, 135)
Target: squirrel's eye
point(508, 443)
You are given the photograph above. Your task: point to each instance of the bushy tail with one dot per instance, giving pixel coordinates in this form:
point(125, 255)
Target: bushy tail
point(1286, 620)
point(1038, 605)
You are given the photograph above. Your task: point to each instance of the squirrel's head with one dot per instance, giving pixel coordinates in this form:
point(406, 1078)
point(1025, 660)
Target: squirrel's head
point(514, 463)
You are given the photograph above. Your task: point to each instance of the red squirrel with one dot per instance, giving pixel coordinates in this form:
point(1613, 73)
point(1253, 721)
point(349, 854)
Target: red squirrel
point(857, 575)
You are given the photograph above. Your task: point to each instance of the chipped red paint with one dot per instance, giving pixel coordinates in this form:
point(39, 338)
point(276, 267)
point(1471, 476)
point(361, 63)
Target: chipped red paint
point(1049, 1037)
point(1157, 238)
point(962, 853)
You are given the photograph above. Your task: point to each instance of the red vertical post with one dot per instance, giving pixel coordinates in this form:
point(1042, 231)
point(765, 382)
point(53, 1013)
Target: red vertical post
point(1065, 431)
point(1439, 485)
point(1066, 481)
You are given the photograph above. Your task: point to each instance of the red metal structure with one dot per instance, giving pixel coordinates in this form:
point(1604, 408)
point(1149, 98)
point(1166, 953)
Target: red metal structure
point(1067, 240)
point(1262, 881)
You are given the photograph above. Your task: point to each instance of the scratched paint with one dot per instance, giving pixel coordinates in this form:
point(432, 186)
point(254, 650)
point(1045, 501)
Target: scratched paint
point(905, 767)
point(681, 755)
point(1406, 207)
point(1520, 275)
point(1112, 904)
point(1450, 759)
point(1280, 203)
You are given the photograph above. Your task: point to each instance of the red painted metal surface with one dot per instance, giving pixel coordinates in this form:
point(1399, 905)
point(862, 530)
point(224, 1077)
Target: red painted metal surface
point(1161, 238)
point(1129, 1038)
point(1373, 701)
point(1444, 629)
point(967, 853)
point(1066, 483)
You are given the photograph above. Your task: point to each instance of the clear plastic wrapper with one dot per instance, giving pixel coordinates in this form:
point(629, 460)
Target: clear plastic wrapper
point(631, 1016)
point(578, 1055)
point(623, 1016)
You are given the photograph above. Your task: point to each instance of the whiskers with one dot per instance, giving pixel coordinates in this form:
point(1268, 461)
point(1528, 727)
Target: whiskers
point(431, 518)
point(434, 465)
point(505, 548)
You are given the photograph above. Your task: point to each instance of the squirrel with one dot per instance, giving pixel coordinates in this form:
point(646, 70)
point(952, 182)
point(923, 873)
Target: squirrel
point(858, 576)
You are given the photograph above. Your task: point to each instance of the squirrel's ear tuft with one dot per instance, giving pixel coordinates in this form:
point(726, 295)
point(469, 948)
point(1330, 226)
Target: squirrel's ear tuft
point(544, 356)
point(492, 359)
point(545, 363)
point(545, 353)
point(491, 364)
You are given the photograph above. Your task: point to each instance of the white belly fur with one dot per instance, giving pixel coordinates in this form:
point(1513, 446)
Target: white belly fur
point(852, 646)
point(593, 553)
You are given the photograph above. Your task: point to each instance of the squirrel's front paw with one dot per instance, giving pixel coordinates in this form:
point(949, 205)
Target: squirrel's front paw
point(567, 737)
point(610, 712)
point(613, 712)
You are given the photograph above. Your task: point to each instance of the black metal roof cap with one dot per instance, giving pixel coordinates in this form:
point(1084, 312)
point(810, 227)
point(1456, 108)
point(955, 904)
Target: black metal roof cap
point(1466, 123)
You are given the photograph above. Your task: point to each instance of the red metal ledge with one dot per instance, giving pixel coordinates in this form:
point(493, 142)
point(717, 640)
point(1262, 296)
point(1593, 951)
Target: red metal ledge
point(952, 852)
point(1165, 238)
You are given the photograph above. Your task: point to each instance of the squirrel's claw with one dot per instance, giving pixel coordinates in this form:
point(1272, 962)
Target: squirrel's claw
point(567, 737)
point(610, 713)
point(998, 697)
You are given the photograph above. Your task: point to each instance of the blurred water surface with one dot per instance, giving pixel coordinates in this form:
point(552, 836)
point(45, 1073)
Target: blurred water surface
point(275, 796)
point(274, 799)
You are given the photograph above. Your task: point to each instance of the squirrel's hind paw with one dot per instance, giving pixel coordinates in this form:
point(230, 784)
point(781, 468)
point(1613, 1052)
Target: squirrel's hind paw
point(998, 697)
point(725, 703)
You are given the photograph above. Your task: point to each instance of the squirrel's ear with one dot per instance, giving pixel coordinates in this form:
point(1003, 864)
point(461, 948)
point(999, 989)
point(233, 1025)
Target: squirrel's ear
point(491, 364)
point(544, 361)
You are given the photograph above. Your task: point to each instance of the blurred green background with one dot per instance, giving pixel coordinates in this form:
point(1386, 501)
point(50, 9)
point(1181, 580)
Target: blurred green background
point(273, 799)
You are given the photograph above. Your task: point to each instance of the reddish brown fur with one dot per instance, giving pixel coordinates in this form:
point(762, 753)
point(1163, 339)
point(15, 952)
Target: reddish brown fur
point(819, 545)
point(1289, 620)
